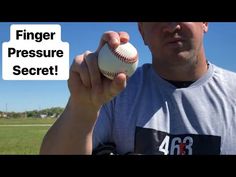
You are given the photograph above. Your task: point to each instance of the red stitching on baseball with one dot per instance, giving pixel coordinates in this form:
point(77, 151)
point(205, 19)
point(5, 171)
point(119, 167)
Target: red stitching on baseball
point(110, 74)
point(124, 58)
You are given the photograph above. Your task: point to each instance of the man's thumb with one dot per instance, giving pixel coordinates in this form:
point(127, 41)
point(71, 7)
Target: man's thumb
point(118, 84)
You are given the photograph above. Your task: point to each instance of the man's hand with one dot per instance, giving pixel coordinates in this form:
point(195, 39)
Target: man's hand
point(88, 87)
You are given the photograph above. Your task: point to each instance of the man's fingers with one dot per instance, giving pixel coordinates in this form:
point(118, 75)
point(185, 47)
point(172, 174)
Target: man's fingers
point(94, 73)
point(110, 37)
point(124, 36)
point(79, 66)
point(117, 85)
point(85, 71)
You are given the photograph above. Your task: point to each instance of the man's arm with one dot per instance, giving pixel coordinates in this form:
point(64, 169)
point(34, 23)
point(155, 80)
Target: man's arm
point(72, 132)
point(89, 90)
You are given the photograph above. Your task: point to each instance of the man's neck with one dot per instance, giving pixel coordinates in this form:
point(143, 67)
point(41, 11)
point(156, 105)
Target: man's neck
point(180, 84)
point(191, 72)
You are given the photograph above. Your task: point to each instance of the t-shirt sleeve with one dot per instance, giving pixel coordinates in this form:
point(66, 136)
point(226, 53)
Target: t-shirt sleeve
point(103, 127)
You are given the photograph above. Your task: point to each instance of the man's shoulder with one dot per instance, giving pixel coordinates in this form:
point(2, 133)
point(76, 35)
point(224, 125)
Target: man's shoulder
point(141, 73)
point(224, 73)
point(145, 68)
point(138, 81)
point(226, 80)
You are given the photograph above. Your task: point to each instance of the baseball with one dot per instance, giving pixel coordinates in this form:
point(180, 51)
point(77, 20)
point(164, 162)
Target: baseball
point(123, 59)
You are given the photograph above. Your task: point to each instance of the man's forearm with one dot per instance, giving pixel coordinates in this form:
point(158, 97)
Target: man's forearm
point(72, 132)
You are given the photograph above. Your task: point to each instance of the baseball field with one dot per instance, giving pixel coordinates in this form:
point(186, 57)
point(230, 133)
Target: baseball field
point(23, 135)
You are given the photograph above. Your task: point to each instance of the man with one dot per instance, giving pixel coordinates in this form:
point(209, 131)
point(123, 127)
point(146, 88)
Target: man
point(180, 104)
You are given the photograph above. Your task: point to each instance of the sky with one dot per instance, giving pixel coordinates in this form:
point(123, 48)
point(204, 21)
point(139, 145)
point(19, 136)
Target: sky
point(20, 96)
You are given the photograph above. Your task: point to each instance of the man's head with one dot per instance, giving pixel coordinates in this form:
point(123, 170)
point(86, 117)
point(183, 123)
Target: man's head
point(174, 43)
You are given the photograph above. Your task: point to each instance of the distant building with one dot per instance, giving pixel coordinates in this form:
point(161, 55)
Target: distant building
point(3, 115)
point(54, 115)
point(43, 116)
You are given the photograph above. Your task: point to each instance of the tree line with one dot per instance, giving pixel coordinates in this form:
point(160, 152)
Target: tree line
point(53, 112)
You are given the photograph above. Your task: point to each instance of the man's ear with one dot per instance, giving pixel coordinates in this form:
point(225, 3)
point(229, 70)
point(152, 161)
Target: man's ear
point(140, 28)
point(205, 26)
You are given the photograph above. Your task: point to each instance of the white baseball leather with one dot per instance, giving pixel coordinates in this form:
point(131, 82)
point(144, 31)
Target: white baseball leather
point(123, 59)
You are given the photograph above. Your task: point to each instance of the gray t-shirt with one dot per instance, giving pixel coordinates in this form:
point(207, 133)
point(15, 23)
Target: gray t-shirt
point(152, 116)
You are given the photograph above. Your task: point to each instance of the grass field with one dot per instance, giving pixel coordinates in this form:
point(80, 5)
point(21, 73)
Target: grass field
point(22, 135)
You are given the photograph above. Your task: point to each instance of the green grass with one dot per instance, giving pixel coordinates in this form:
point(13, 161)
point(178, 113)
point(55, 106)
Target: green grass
point(4, 121)
point(23, 139)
